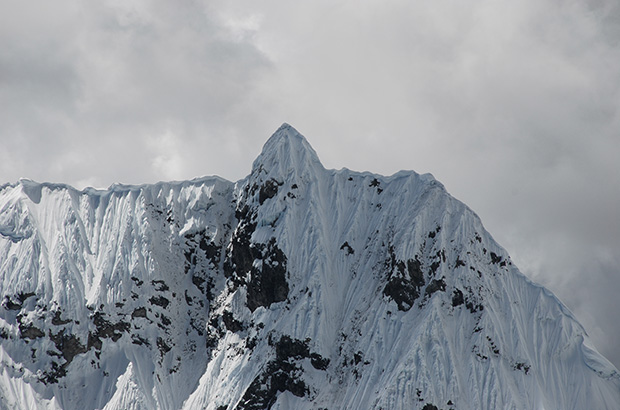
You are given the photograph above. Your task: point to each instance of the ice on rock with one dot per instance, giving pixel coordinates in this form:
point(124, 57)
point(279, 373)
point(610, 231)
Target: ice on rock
point(296, 287)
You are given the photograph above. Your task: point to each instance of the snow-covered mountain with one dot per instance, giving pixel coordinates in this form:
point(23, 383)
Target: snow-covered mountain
point(295, 288)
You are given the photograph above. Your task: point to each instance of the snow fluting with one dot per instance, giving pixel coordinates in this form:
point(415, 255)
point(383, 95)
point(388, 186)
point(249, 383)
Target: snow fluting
point(297, 287)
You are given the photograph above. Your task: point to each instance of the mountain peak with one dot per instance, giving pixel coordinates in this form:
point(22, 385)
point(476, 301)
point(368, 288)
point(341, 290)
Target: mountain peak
point(297, 287)
point(286, 151)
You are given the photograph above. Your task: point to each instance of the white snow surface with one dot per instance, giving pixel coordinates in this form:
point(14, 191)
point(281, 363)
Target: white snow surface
point(162, 297)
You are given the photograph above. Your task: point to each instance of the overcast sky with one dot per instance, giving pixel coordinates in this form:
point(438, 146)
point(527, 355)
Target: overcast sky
point(513, 105)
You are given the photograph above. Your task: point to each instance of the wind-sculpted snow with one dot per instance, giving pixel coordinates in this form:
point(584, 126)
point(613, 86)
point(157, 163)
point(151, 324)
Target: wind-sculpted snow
point(297, 287)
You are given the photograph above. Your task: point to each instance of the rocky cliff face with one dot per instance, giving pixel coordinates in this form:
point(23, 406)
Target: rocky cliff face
point(297, 287)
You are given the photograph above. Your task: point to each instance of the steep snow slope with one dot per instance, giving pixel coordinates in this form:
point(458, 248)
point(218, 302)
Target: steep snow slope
point(297, 287)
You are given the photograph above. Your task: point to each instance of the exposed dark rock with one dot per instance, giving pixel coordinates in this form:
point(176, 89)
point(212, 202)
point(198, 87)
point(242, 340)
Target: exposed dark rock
point(57, 320)
point(318, 361)
point(68, 344)
point(51, 376)
point(160, 285)
point(165, 320)
point(251, 343)
point(201, 241)
point(94, 341)
point(10, 305)
point(22, 296)
point(29, 331)
point(474, 307)
point(231, 323)
point(375, 183)
point(347, 248)
point(414, 268)
point(268, 282)
point(138, 312)
point(458, 262)
point(198, 282)
point(525, 368)
point(214, 322)
point(212, 338)
point(404, 286)
point(106, 329)
point(457, 298)
point(435, 285)
point(402, 291)
point(281, 374)
point(357, 357)
point(211, 249)
point(242, 251)
point(268, 190)
point(163, 346)
point(264, 389)
point(137, 340)
point(432, 234)
point(495, 258)
point(429, 406)
point(190, 258)
point(288, 347)
point(492, 345)
point(159, 301)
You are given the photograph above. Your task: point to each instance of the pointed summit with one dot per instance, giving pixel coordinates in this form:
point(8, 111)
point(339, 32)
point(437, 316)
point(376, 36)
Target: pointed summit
point(285, 152)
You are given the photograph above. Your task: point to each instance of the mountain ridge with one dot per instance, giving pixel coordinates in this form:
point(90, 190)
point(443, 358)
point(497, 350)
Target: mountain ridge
point(296, 287)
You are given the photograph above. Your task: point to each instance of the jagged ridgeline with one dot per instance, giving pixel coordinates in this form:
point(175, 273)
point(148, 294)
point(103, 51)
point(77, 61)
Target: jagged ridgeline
point(295, 288)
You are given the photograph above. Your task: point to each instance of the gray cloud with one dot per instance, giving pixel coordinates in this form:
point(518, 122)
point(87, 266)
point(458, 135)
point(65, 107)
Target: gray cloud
point(97, 94)
point(514, 106)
